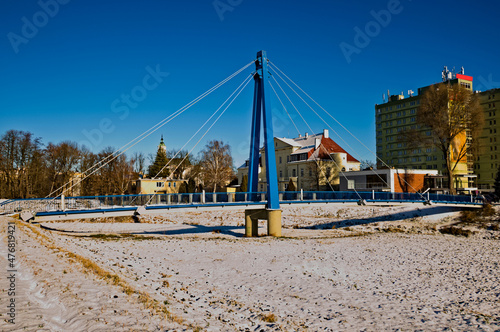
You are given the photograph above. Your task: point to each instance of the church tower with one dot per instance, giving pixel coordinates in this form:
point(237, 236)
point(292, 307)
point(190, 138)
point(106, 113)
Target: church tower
point(162, 145)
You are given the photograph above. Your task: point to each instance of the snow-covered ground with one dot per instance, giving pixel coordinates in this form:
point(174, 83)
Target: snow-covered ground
point(336, 268)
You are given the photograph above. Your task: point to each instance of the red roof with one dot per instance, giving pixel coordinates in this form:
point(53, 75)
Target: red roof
point(464, 77)
point(333, 147)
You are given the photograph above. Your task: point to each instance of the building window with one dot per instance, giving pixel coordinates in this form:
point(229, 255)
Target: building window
point(350, 184)
point(301, 172)
point(159, 184)
point(287, 159)
point(280, 159)
point(175, 184)
point(281, 173)
point(169, 184)
point(293, 172)
point(310, 172)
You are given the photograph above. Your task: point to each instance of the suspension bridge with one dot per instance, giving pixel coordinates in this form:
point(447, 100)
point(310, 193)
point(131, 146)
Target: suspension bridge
point(257, 204)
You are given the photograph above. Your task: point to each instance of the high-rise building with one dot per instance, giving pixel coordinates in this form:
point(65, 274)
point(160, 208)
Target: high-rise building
point(488, 157)
point(399, 113)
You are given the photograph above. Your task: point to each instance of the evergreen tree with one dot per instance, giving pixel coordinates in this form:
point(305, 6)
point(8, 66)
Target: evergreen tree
point(244, 184)
point(291, 186)
point(191, 186)
point(496, 185)
point(183, 188)
point(160, 161)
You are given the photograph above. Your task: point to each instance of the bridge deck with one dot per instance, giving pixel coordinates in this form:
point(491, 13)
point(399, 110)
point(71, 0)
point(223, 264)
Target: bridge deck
point(129, 205)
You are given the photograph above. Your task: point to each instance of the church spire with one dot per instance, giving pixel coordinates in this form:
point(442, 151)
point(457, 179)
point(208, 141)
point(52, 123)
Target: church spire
point(162, 145)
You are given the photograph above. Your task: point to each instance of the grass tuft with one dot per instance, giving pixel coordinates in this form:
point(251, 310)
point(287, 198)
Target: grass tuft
point(269, 318)
point(456, 231)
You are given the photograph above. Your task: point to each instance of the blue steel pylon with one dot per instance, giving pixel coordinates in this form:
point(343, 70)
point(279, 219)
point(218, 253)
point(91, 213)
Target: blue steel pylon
point(262, 110)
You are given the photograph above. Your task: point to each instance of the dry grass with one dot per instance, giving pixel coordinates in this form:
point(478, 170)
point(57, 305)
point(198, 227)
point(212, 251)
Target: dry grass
point(116, 237)
point(88, 266)
point(269, 318)
point(457, 231)
point(486, 213)
point(392, 229)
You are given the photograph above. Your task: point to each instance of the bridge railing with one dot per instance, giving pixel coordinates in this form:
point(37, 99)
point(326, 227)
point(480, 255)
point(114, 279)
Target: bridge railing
point(158, 200)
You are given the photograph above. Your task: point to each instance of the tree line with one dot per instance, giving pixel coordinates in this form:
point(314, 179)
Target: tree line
point(30, 169)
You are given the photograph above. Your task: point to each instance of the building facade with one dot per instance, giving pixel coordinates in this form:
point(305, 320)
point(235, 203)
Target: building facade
point(392, 180)
point(311, 162)
point(488, 157)
point(399, 113)
point(157, 186)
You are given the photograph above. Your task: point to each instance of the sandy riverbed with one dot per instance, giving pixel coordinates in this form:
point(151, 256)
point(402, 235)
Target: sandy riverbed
point(337, 268)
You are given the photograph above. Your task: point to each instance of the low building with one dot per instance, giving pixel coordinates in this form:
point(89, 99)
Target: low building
point(393, 180)
point(311, 162)
point(157, 186)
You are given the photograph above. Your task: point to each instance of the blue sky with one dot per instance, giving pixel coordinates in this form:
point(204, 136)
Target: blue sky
point(63, 67)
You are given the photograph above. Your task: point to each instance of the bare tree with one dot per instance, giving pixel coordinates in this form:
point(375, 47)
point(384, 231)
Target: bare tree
point(367, 164)
point(62, 160)
point(324, 173)
point(123, 170)
point(217, 164)
point(89, 187)
point(450, 118)
point(139, 161)
point(179, 162)
point(18, 152)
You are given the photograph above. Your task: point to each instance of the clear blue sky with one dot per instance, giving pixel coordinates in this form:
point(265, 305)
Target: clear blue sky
point(62, 78)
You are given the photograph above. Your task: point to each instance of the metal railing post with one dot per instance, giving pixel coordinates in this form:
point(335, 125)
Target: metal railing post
point(63, 203)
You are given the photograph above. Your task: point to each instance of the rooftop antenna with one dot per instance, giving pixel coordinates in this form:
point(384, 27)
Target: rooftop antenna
point(444, 74)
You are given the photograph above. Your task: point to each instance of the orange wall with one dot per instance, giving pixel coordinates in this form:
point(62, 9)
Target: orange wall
point(415, 182)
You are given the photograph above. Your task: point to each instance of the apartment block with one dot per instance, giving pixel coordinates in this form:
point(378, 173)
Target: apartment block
point(398, 113)
point(488, 157)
